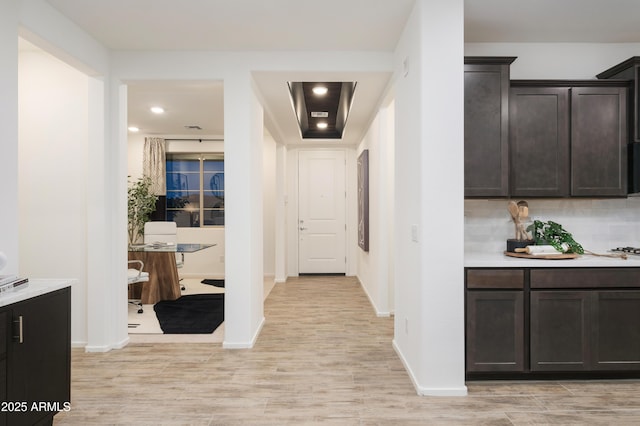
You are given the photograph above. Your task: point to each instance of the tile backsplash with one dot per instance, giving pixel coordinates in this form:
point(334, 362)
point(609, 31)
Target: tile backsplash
point(597, 224)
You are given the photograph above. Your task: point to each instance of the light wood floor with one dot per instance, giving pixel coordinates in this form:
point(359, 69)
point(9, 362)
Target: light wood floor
point(323, 357)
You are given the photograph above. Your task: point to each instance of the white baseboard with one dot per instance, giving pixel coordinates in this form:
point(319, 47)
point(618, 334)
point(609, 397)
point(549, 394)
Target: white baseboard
point(380, 314)
point(200, 275)
point(244, 345)
point(427, 391)
point(106, 348)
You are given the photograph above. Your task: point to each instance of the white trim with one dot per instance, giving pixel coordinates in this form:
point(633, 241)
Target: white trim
point(245, 345)
point(341, 155)
point(107, 348)
point(379, 313)
point(425, 391)
point(442, 391)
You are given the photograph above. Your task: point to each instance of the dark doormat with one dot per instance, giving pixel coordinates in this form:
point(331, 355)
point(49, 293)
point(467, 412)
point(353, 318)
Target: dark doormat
point(192, 314)
point(209, 281)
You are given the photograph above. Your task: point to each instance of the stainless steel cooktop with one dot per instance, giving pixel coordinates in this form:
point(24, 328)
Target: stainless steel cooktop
point(627, 250)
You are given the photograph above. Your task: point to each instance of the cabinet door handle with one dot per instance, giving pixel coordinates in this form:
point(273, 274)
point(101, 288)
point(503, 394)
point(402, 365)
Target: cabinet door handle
point(20, 337)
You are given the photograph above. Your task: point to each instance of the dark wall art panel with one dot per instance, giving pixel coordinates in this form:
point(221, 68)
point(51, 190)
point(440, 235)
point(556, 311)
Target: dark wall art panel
point(363, 200)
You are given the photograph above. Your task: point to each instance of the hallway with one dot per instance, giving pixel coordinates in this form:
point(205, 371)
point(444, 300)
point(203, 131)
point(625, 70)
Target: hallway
point(322, 357)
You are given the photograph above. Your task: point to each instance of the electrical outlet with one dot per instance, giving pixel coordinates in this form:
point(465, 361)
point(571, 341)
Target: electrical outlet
point(221, 259)
point(414, 233)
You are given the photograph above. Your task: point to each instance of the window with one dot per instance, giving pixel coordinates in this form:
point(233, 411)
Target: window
point(195, 189)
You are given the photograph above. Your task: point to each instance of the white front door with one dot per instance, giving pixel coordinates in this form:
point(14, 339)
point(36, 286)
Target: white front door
point(321, 212)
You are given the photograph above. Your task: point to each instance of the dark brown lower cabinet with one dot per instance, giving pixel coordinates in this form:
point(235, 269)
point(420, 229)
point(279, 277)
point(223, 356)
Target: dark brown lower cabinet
point(552, 322)
point(495, 325)
point(4, 330)
point(36, 360)
point(589, 330)
point(559, 330)
point(615, 330)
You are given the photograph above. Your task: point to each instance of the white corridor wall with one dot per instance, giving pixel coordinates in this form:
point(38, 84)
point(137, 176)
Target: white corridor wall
point(53, 153)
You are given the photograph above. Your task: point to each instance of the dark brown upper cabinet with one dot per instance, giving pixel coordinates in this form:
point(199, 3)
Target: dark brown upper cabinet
point(486, 126)
point(629, 70)
point(599, 137)
point(568, 138)
point(539, 141)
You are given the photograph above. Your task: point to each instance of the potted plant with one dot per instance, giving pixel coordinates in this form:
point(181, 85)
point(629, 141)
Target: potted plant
point(552, 233)
point(140, 204)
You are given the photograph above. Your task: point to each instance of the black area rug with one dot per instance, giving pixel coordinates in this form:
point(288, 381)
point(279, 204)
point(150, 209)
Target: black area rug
point(209, 281)
point(192, 314)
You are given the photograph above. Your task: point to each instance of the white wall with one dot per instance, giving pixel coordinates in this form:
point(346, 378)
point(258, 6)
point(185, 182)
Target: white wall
point(44, 26)
point(281, 217)
point(269, 189)
point(374, 266)
point(557, 60)
point(135, 147)
point(53, 156)
point(244, 204)
point(9, 134)
point(429, 138)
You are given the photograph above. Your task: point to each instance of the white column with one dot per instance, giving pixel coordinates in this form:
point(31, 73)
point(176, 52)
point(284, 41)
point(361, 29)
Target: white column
point(9, 134)
point(281, 214)
point(442, 198)
point(106, 219)
point(244, 288)
point(383, 152)
point(429, 223)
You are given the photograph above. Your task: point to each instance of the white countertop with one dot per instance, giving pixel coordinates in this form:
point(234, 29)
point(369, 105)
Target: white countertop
point(36, 287)
point(500, 260)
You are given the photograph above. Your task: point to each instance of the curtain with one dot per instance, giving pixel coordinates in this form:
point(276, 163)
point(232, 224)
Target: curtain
point(153, 164)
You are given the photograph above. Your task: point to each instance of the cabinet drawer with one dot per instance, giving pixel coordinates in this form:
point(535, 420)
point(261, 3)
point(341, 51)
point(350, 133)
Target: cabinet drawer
point(495, 278)
point(585, 278)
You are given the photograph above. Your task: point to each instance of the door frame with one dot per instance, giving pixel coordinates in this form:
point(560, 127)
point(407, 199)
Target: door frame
point(291, 201)
point(338, 251)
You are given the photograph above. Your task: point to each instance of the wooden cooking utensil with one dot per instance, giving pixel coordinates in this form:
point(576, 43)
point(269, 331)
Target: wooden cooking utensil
point(515, 216)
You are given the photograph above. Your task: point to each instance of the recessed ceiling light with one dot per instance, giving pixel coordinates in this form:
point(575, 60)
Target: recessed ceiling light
point(322, 125)
point(157, 110)
point(134, 129)
point(320, 90)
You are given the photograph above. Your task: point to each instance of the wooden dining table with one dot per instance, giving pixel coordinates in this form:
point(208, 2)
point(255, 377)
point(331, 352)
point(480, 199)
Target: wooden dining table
point(160, 262)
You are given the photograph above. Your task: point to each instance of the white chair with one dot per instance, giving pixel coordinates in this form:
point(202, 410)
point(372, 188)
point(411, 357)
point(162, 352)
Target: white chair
point(136, 275)
point(164, 232)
